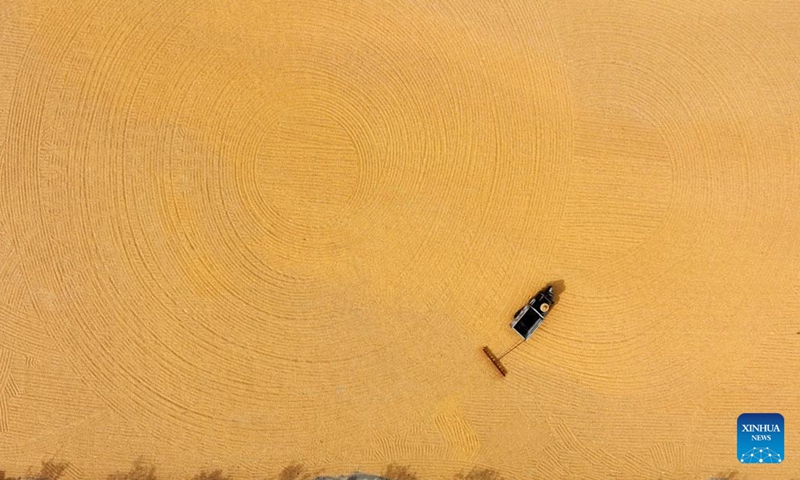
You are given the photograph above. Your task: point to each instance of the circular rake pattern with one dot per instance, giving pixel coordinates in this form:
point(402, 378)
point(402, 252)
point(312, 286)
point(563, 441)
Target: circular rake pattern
point(229, 184)
point(257, 218)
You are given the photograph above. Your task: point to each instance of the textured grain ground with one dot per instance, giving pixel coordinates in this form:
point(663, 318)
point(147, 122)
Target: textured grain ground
point(251, 233)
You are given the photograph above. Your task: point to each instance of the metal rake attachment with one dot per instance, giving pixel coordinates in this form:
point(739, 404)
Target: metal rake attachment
point(495, 361)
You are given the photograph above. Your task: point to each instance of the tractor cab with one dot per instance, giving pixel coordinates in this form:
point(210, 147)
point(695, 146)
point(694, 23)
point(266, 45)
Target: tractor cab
point(530, 317)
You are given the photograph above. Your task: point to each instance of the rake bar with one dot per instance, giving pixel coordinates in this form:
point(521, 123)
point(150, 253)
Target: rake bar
point(495, 361)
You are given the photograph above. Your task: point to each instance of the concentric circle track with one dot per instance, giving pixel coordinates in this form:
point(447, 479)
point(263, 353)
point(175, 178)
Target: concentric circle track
point(295, 224)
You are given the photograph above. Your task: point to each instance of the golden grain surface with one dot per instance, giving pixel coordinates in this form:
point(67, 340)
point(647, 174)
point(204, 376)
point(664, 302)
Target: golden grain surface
point(251, 233)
